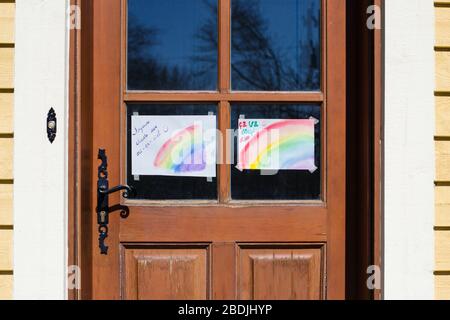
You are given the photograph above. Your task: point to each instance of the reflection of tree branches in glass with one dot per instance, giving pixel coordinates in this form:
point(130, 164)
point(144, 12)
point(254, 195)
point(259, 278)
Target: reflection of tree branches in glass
point(258, 61)
point(144, 70)
point(307, 76)
point(261, 58)
point(208, 44)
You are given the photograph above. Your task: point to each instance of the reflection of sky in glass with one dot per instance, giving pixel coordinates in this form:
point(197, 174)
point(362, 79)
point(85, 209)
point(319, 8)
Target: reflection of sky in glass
point(175, 50)
point(172, 44)
point(286, 56)
point(288, 25)
point(177, 21)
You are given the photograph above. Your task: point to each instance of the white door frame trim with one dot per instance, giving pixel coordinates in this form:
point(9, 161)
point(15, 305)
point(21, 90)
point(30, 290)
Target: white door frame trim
point(409, 129)
point(40, 168)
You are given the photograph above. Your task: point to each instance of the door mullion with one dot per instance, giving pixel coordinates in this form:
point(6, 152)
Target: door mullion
point(224, 13)
point(225, 157)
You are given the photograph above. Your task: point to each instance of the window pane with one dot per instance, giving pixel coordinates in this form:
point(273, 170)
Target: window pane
point(281, 184)
point(172, 45)
point(157, 187)
point(276, 45)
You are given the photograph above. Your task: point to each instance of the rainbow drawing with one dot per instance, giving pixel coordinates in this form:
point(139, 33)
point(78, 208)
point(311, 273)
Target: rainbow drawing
point(183, 152)
point(266, 144)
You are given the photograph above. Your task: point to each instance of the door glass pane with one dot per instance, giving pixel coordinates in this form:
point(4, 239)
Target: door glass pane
point(296, 143)
point(162, 186)
point(172, 45)
point(275, 45)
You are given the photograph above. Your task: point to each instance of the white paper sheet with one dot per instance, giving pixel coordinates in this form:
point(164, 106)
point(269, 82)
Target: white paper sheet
point(173, 146)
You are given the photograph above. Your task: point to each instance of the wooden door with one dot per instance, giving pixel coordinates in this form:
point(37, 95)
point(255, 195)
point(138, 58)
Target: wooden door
point(241, 234)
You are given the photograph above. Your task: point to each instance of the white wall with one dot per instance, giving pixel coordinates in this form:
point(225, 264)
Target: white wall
point(409, 150)
point(40, 208)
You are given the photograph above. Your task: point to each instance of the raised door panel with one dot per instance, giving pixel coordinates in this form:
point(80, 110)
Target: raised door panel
point(293, 272)
point(173, 273)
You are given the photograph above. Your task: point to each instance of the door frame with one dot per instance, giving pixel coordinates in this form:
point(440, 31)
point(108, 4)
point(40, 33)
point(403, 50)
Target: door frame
point(80, 154)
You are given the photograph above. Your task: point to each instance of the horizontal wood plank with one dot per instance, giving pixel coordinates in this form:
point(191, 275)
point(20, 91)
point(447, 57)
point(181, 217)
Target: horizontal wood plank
point(442, 200)
point(6, 287)
point(6, 204)
point(442, 26)
point(6, 112)
point(6, 241)
point(443, 116)
point(443, 71)
point(442, 287)
point(7, 13)
point(442, 160)
point(6, 68)
point(137, 96)
point(442, 251)
point(6, 158)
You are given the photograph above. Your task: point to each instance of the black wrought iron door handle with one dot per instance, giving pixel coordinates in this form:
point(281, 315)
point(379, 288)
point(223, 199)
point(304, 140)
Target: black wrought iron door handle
point(129, 191)
point(103, 192)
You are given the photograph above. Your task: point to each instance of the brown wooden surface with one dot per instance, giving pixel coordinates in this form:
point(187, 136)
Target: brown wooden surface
point(284, 272)
point(80, 149)
point(359, 136)
point(364, 138)
point(336, 150)
point(74, 85)
point(172, 272)
point(376, 241)
point(223, 226)
point(223, 275)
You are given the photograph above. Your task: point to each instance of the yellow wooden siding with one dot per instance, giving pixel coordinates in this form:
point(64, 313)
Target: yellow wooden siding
point(443, 116)
point(442, 284)
point(442, 190)
point(6, 158)
point(6, 239)
point(6, 204)
point(442, 27)
point(443, 71)
point(6, 67)
point(7, 14)
point(6, 111)
point(442, 250)
point(6, 283)
point(442, 196)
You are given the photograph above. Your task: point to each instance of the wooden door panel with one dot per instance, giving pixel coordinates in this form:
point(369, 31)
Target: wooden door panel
point(225, 224)
point(217, 266)
point(166, 272)
point(292, 272)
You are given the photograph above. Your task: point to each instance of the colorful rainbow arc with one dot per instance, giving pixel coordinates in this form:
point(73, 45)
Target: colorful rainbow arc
point(291, 147)
point(183, 152)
